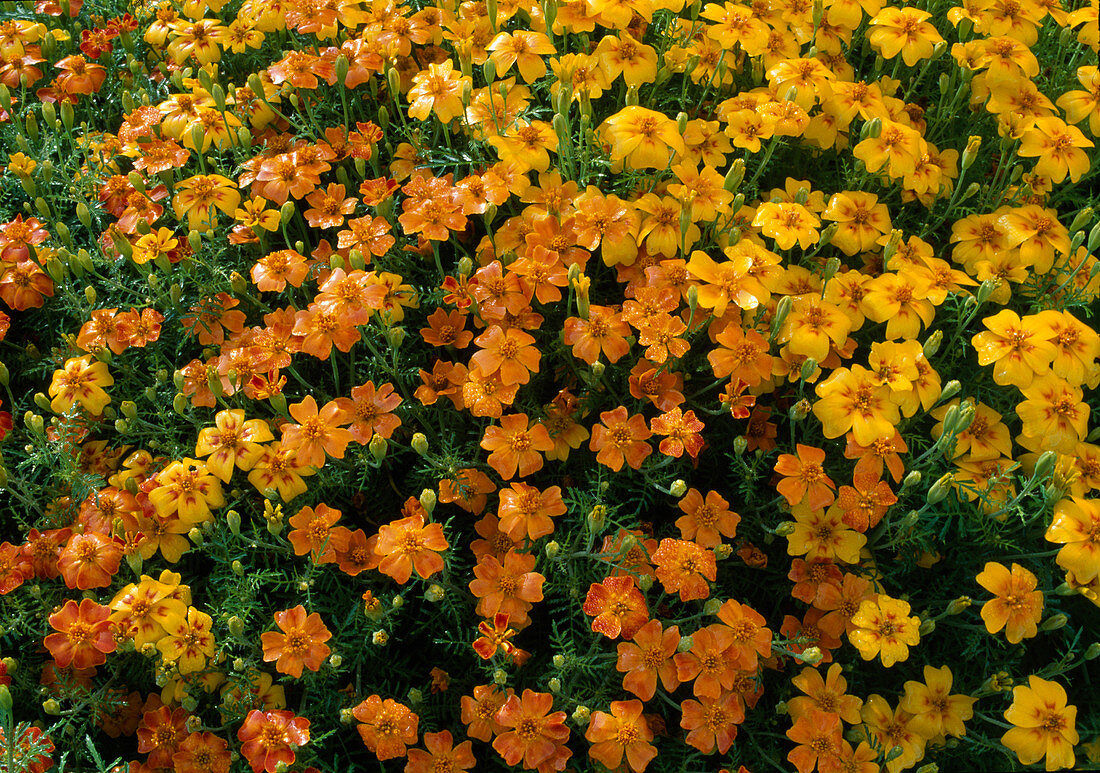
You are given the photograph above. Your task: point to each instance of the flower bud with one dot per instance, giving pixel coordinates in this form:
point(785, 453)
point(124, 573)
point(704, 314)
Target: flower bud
point(395, 336)
point(428, 500)
point(940, 489)
point(1054, 622)
point(233, 518)
point(958, 606)
point(1081, 219)
point(51, 707)
point(740, 445)
point(950, 389)
point(552, 549)
point(911, 481)
point(686, 643)
point(734, 176)
point(801, 409)
point(380, 638)
point(378, 446)
point(597, 517)
point(812, 656)
point(711, 606)
point(1093, 652)
point(5, 698)
point(558, 661)
point(236, 626)
point(926, 627)
point(554, 684)
point(500, 676)
point(782, 311)
point(1045, 464)
point(434, 593)
point(465, 266)
point(809, 368)
point(1094, 238)
point(419, 443)
point(598, 369)
point(336, 661)
point(581, 715)
point(973, 144)
point(678, 488)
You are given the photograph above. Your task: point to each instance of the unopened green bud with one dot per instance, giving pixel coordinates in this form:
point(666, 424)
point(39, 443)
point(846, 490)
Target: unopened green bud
point(959, 605)
point(926, 627)
point(911, 481)
point(711, 606)
point(233, 518)
point(1081, 219)
point(236, 626)
point(552, 549)
point(678, 488)
point(1045, 464)
point(812, 656)
point(51, 707)
point(5, 698)
point(558, 661)
point(940, 489)
point(932, 344)
point(554, 684)
point(1054, 622)
point(809, 368)
point(1093, 652)
point(419, 443)
point(950, 389)
point(973, 145)
point(435, 593)
point(500, 676)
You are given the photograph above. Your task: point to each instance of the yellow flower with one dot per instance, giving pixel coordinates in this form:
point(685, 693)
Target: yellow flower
point(1076, 525)
point(884, 628)
point(935, 712)
point(81, 381)
point(196, 195)
point(21, 165)
point(905, 31)
point(644, 139)
point(1044, 724)
point(1017, 606)
point(787, 223)
point(1058, 148)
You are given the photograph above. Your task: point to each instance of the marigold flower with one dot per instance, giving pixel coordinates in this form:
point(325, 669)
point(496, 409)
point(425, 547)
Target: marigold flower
point(685, 567)
point(533, 734)
point(804, 479)
point(313, 533)
point(618, 607)
point(187, 489)
point(623, 732)
point(1020, 348)
point(437, 88)
point(706, 521)
point(83, 636)
point(203, 750)
point(386, 726)
point(82, 381)
point(905, 31)
point(196, 196)
point(1058, 148)
point(855, 399)
point(510, 586)
point(682, 430)
point(188, 643)
point(1076, 524)
point(272, 272)
point(818, 735)
point(1054, 414)
point(1044, 724)
point(516, 445)
point(301, 643)
point(712, 722)
point(232, 442)
point(441, 755)
point(407, 544)
point(936, 713)
point(861, 218)
point(893, 728)
point(269, 738)
point(647, 657)
point(643, 138)
point(479, 711)
point(884, 628)
point(525, 511)
point(750, 638)
point(824, 694)
point(618, 439)
point(89, 560)
point(318, 432)
point(160, 733)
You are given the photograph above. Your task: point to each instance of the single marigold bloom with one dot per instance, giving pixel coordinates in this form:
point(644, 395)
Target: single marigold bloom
point(185, 488)
point(479, 711)
point(515, 446)
point(83, 636)
point(1020, 348)
point(866, 501)
point(904, 31)
point(937, 713)
point(510, 586)
point(447, 328)
point(892, 727)
point(804, 480)
point(861, 219)
point(407, 544)
point(526, 512)
point(269, 738)
point(301, 643)
point(1059, 148)
point(1054, 414)
point(440, 754)
point(532, 733)
point(1076, 524)
point(1018, 606)
point(818, 735)
point(642, 138)
point(89, 560)
point(494, 637)
point(313, 533)
point(82, 381)
point(750, 637)
point(618, 439)
point(511, 352)
point(232, 442)
point(708, 663)
point(682, 430)
point(604, 331)
point(1044, 724)
point(437, 88)
point(647, 657)
point(706, 521)
point(712, 722)
point(272, 272)
point(856, 400)
point(622, 733)
point(685, 567)
point(15, 568)
point(278, 470)
point(617, 606)
point(884, 628)
point(318, 432)
point(203, 752)
point(160, 733)
point(824, 694)
point(189, 643)
point(371, 411)
point(386, 726)
point(329, 207)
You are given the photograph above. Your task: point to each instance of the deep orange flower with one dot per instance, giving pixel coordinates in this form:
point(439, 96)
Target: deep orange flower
point(706, 520)
point(618, 439)
point(371, 411)
point(750, 637)
point(708, 662)
point(270, 737)
point(685, 567)
point(532, 733)
point(804, 479)
point(603, 331)
point(623, 732)
point(89, 560)
point(83, 636)
point(317, 432)
point(824, 694)
point(818, 735)
point(617, 606)
point(300, 645)
point(407, 544)
point(682, 430)
point(203, 753)
point(313, 533)
point(866, 501)
point(272, 272)
point(511, 352)
point(712, 723)
point(447, 328)
point(515, 446)
point(479, 711)
point(386, 726)
point(160, 733)
point(441, 755)
point(494, 637)
point(510, 587)
point(525, 511)
point(329, 207)
point(649, 656)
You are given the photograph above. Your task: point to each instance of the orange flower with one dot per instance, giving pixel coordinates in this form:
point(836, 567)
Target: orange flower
point(197, 197)
point(408, 544)
point(866, 501)
point(516, 445)
point(511, 352)
point(510, 587)
point(203, 750)
point(708, 662)
point(83, 636)
point(623, 732)
point(441, 755)
point(818, 735)
point(682, 431)
point(619, 439)
point(269, 738)
point(89, 560)
point(685, 567)
point(617, 606)
point(272, 272)
point(647, 657)
point(750, 637)
point(279, 470)
point(479, 711)
point(313, 533)
point(604, 331)
point(861, 218)
point(494, 637)
point(712, 722)
point(525, 511)
point(1058, 148)
point(804, 480)
point(706, 521)
point(826, 694)
point(1054, 414)
point(232, 441)
point(386, 726)
point(447, 329)
point(301, 644)
point(532, 732)
point(884, 627)
point(328, 208)
point(317, 432)
point(371, 412)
